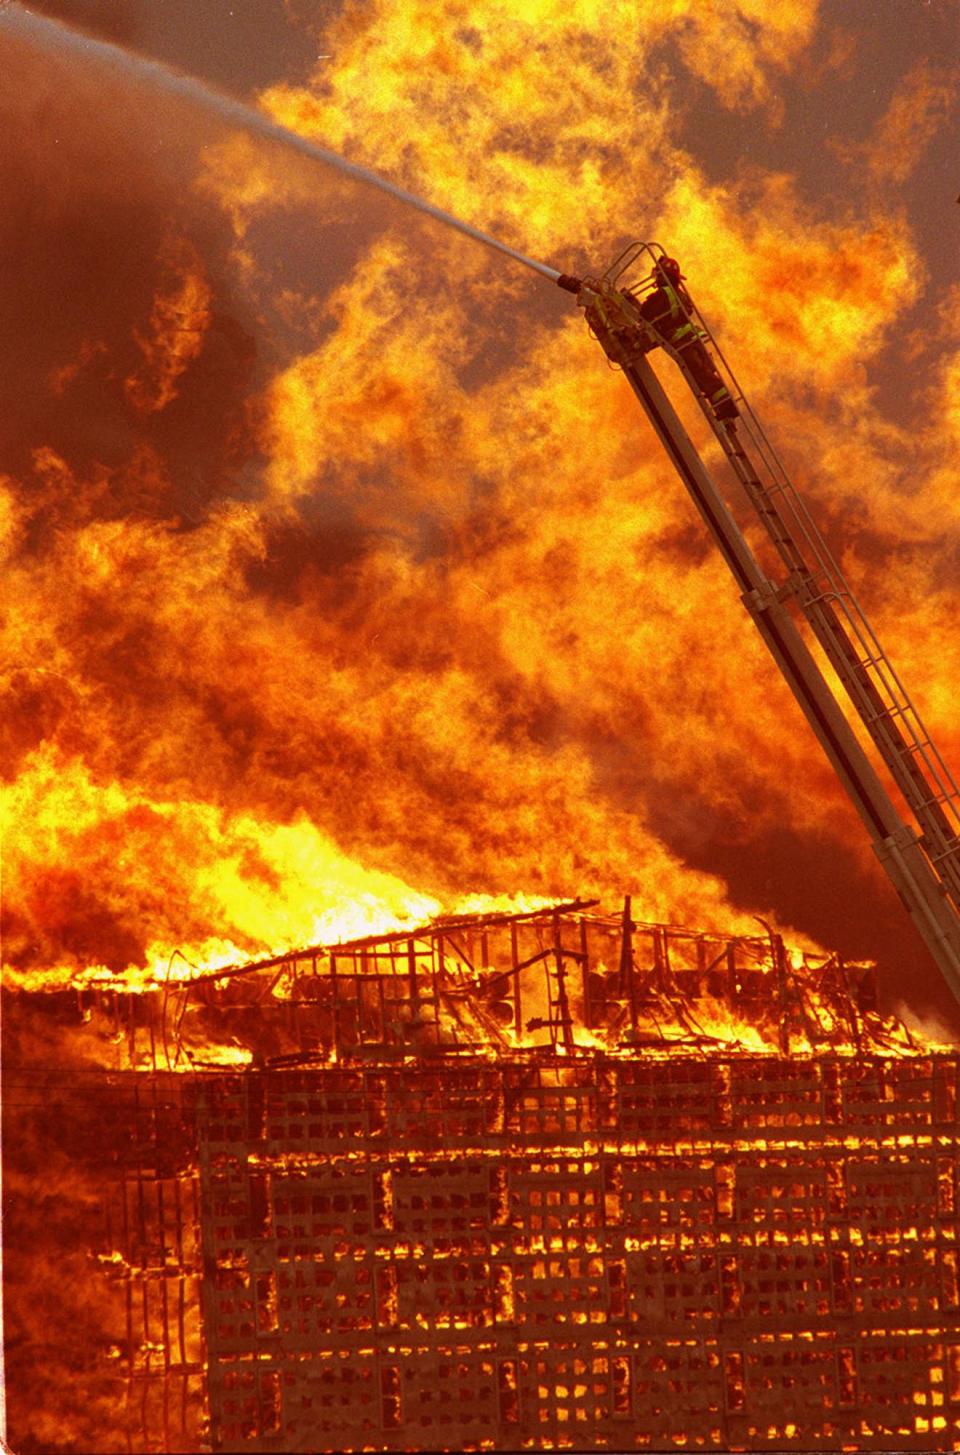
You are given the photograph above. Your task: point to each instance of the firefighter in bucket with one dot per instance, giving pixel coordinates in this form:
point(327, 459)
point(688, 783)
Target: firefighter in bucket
point(668, 310)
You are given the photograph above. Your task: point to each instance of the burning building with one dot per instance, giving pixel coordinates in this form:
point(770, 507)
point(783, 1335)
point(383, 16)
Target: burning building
point(529, 1181)
point(324, 618)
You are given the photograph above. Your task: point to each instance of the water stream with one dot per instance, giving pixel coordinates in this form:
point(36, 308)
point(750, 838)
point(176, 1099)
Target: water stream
point(53, 34)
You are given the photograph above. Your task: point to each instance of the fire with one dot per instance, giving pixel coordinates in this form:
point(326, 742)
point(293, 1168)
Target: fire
point(175, 333)
point(430, 620)
point(261, 883)
point(346, 592)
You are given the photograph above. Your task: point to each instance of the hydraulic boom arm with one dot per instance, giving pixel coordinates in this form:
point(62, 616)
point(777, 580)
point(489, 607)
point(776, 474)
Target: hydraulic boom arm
point(628, 320)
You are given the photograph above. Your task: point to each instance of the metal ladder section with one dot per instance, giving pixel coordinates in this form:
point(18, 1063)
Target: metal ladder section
point(840, 624)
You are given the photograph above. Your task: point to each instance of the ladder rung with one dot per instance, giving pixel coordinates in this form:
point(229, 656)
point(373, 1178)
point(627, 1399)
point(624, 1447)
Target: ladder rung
point(913, 750)
point(933, 802)
point(882, 716)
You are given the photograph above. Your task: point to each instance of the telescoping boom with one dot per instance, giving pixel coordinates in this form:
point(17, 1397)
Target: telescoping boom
point(639, 305)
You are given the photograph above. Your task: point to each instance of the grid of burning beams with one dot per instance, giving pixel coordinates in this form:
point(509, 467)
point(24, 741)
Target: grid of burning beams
point(405, 1228)
point(557, 979)
point(735, 1252)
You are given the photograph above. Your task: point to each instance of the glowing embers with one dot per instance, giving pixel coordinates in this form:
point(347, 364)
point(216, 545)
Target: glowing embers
point(529, 1245)
point(150, 1242)
point(555, 981)
point(750, 1275)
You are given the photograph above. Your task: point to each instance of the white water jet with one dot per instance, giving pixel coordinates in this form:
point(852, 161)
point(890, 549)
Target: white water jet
point(52, 33)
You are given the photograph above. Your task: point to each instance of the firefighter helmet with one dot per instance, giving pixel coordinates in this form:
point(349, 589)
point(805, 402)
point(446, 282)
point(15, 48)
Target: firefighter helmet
point(670, 269)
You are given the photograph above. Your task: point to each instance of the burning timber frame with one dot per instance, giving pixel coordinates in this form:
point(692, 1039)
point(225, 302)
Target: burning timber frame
point(408, 1225)
point(736, 1252)
point(563, 978)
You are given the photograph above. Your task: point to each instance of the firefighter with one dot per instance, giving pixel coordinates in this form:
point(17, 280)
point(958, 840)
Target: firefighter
point(667, 309)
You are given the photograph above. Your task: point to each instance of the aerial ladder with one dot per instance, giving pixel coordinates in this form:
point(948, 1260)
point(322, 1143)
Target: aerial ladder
point(625, 311)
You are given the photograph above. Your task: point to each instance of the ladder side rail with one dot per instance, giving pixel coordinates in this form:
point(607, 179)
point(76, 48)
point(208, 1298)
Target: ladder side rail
point(934, 810)
point(921, 745)
point(912, 872)
point(927, 785)
point(847, 602)
point(894, 726)
point(883, 706)
point(843, 593)
point(873, 659)
point(804, 522)
point(885, 711)
point(919, 742)
point(912, 765)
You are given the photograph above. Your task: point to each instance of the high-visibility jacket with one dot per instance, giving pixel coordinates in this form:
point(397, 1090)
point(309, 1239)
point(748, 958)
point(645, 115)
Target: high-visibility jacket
point(664, 309)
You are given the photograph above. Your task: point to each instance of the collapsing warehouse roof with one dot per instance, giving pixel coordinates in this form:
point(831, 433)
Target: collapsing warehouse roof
point(509, 1182)
point(567, 979)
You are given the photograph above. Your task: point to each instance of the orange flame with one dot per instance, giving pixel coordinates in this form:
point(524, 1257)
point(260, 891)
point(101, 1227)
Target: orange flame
point(443, 624)
point(175, 332)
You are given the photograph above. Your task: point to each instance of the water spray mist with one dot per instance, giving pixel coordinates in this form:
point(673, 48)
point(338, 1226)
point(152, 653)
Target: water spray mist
point(52, 33)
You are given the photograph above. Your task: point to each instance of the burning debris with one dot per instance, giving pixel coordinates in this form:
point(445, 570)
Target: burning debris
point(530, 1180)
point(569, 979)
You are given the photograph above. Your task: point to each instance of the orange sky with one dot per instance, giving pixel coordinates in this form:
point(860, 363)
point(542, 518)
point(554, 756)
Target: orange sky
point(344, 580)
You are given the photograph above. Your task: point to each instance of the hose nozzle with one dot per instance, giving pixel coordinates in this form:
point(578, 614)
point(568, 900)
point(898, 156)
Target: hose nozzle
point(572, 285)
